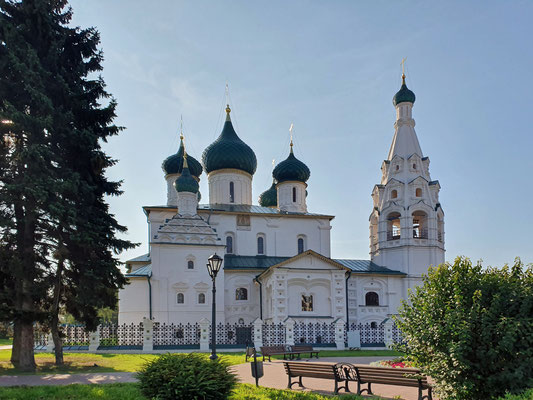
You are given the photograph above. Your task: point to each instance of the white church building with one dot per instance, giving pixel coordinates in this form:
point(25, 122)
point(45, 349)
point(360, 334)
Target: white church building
point(277, 255)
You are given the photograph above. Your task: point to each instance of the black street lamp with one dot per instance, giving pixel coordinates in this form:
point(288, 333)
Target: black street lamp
point(213, 266)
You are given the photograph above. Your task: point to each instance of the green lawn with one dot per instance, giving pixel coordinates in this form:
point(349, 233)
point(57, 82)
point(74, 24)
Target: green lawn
point(130, 391)
point(5, 342)
point(90, 362)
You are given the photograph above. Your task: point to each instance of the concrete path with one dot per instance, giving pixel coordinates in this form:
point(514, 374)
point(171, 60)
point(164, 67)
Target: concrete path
point(7, 347)
point(275, 377)
point(66, 379)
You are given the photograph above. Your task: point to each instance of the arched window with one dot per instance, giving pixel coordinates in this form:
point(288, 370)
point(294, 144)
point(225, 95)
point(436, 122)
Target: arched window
point(201, 298)
point(374, 325)
point(371, 299)
point(180, 298)
point(300, 245)
point(418, 192)
point(393, 228)
point(260, 245)
point(241, 321)
point(397, 167)
point(241, 294)
point(229, 244)
point(190, 264)
point(394, 194)
point(420, 230)
point(414, 166)
point(294, 195)
point(231, 192)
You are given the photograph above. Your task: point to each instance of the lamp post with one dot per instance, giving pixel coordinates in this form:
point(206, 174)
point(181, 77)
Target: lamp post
point(213, 266)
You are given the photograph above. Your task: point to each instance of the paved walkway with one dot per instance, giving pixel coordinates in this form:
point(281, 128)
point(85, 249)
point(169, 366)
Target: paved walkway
point(7, 347)
point(66, 379)
point(274, 377)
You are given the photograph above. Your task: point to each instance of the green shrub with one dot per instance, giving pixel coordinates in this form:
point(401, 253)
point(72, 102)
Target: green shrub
point(471, 329)
point(527, 395)
point(186, 377)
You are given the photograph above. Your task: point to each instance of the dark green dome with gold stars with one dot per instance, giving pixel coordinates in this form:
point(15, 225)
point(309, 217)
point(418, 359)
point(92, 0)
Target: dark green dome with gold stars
point(174, 163)
point(229, 151)
point(404, 94)
point(291, 169)
point(269, 198)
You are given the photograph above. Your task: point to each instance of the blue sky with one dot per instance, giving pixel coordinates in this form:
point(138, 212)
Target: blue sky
point(331, 68)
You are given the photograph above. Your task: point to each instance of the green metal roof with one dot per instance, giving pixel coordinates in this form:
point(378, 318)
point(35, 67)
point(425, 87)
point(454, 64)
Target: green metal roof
point(269, 198)
point(404, 95)
point(174, 163)
point(234, 262)
point(143, 271)
point(291, 169)
point(229, 151)
point(143, 258)
point(367, 267)
point(186, 183)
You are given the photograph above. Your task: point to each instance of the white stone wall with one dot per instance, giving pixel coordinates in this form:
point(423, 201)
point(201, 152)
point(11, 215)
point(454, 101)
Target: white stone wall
point(237, 310)
point(219, 187)
point(286, 200)
point(172, 276)
point(133, 302)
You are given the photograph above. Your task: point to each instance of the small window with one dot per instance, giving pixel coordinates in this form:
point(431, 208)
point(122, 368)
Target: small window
point(180, 298)
point(397, 167)
point(241, 321)
point(307, 302)
point(372, 299)
point(231, 192)
point(300, 245)
point(418, 192)
point(190, 264)
point(294, 195)
point(260, 245)
point(229, 244)
point(374, 325)
point(241, 294)
point(201, 298)
point(394, 194)
point(414, 166)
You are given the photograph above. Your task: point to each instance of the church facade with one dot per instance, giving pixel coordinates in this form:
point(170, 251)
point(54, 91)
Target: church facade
point(277, 256)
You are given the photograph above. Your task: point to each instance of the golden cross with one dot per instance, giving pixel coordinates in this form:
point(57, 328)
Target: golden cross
point(403, 65)
point(290, 131)
point(181, 126)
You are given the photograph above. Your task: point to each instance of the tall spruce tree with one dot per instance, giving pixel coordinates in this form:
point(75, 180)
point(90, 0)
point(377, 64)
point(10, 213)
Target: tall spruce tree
point(59, 241)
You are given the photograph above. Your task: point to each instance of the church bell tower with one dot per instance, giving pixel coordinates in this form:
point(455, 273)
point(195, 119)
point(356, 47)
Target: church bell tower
point(407, 221)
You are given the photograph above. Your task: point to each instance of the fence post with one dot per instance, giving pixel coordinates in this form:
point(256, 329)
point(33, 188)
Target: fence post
point(340, 326)
point(387, 325)
point(258, 333)
point(148, 335)
point(94, 339)
point(204, 334)
point(289, 331)
point(50, 343)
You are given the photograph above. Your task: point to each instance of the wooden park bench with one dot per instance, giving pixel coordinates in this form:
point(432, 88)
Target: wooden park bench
point(281, 349)
point(366, 375)
point(305, 348)
point(299, 369)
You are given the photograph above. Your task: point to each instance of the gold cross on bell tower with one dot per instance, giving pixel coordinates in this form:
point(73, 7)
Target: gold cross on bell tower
point(403, 69)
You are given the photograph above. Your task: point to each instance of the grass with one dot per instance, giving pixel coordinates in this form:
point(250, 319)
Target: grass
point(6, 342)
point(90, 362)
point(130, 391)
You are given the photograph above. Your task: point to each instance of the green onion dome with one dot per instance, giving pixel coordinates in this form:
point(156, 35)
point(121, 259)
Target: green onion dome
point(269, 198)
point(291, 169)
point(404, 94)
point(186, 182)
point(174, 163)
point(229, 151)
